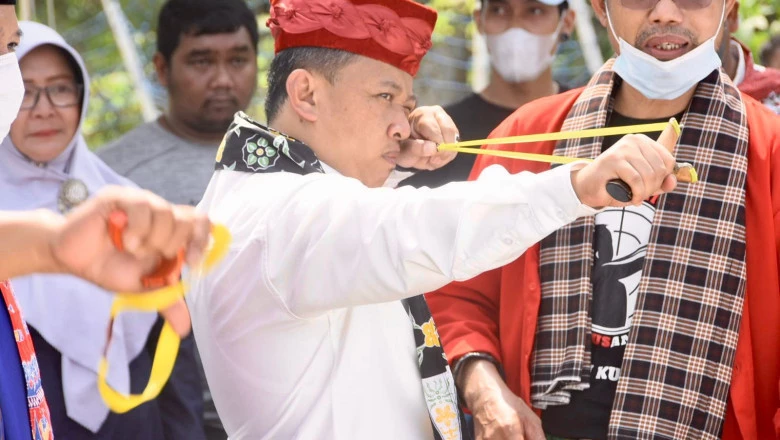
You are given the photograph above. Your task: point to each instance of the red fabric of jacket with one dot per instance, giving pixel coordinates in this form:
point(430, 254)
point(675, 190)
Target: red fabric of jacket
point(496, 312)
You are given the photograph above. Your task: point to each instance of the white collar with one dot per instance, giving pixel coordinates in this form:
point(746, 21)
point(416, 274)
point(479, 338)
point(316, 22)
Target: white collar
point(741, 67)
point(329, 169)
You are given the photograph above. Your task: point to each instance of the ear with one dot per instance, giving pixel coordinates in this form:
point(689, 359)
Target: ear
point(732, 17)
point(600, 9)
point(569, 21)
point(162, 68)
point(302, 94)
point(477, 16)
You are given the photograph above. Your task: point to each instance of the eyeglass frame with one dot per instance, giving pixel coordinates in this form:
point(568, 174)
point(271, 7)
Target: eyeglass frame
point(647, 8)
point(79, 89)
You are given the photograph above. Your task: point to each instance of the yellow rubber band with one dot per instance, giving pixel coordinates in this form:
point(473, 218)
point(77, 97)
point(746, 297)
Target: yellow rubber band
point(562, 135)
point(514, 154)
point(470, 147)
point(168, 343)
point(162, 366)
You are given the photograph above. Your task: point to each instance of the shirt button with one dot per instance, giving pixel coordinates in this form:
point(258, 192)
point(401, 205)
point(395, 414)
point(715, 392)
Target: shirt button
point(508, 241)
point(531, 286)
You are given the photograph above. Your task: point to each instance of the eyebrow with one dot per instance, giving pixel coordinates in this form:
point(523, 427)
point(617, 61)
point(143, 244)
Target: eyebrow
point(199, 53)
point(55, 78)
point(242, 49)
point(18, 32)
point(205, 52)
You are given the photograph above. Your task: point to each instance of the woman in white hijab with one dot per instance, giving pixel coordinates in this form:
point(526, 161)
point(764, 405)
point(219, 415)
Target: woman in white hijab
point(45, 163)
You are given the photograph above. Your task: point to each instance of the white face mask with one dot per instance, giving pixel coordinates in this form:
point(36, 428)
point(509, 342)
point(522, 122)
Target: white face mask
point(11, 92)
point(520, 56)
point(658, 79)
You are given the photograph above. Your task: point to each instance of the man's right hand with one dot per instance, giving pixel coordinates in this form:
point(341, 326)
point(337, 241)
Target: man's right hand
point(498, 413)
point(156, 229)
point(644, 164)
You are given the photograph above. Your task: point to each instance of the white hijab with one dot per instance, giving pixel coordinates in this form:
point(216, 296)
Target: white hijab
point(71, 314)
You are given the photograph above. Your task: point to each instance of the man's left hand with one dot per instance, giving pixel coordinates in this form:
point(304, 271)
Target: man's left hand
point(431, 126)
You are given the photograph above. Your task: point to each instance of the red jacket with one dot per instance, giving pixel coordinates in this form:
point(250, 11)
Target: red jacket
point(496, 312)
point(761, 83)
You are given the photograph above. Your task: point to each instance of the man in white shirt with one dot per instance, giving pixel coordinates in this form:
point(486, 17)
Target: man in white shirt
point(314, 327)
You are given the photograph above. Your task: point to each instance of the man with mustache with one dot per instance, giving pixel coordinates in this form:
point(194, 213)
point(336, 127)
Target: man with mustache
point(313, 326)
point(206, 59)
point(695, 352)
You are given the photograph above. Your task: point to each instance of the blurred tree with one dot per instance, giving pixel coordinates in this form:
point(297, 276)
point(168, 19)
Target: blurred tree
point(444, 76)
point(759, 20)
point(444, 72)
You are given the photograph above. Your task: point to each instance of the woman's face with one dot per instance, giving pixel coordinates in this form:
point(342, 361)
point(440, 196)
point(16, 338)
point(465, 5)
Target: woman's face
point(51, 109)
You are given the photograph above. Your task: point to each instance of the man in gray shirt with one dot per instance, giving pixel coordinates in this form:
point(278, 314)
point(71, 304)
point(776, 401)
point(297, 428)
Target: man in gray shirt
point(207, 60)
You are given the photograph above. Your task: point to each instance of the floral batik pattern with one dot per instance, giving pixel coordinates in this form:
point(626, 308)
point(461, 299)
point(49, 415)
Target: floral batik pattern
point(441, 397)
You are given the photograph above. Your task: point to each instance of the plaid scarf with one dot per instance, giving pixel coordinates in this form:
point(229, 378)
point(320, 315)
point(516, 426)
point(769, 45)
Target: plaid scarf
point(677, 365)
point(252, 148)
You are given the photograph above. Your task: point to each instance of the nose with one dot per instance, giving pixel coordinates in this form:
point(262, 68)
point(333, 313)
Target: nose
point(222, 78)
point(399, 128)
point(44, 107)
point(666, 12)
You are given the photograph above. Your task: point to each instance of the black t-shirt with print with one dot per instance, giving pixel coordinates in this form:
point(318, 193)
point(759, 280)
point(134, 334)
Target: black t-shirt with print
point(619, 244)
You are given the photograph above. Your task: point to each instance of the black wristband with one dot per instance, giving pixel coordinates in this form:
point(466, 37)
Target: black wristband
point(468, 357)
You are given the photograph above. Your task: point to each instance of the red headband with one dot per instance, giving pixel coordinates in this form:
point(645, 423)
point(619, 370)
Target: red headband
point(397, 32)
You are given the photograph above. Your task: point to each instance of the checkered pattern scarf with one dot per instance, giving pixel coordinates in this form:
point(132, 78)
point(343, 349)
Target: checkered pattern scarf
point(677, 365)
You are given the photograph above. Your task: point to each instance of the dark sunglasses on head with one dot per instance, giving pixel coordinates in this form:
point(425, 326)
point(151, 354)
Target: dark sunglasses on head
point(650, 4)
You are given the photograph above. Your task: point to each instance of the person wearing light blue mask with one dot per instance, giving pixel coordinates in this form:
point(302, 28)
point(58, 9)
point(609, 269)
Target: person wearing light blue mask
point(522, 39)
point(653, 321)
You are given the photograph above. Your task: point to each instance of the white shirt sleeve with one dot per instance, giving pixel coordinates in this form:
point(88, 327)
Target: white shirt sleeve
point(333, 243)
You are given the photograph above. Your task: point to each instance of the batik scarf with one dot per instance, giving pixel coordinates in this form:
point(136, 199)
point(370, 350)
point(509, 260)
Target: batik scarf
point(37, 407)
point(252, 148)
point(677, 366)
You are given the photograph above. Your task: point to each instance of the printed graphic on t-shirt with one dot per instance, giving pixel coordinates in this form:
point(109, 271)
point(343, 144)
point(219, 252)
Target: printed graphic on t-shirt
point(620, 245)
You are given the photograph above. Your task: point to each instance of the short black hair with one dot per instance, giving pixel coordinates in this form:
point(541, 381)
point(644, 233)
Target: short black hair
point(202, 17)
point(769, 49)
point(324, 61)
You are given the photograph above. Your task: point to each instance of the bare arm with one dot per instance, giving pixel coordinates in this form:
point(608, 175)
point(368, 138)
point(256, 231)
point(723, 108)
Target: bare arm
point(26, 243)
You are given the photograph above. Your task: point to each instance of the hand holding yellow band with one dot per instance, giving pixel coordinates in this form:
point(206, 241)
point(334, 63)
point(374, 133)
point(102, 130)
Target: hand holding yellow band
point(618, 189)
point(158, 300)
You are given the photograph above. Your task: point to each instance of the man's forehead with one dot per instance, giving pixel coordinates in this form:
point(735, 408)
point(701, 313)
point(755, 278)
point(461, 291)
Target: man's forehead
point(382, 72)
point(223, 41)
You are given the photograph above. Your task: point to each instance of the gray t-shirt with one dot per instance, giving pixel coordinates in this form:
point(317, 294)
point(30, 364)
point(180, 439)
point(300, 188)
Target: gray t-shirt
point(176, 169)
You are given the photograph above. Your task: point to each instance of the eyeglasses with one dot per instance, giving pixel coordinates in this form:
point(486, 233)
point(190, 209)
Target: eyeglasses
point(650, 4)
point(60, 95)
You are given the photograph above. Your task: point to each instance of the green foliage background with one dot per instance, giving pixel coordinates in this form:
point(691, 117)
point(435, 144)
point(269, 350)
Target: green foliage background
point(759, 20)
point(114, 109)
